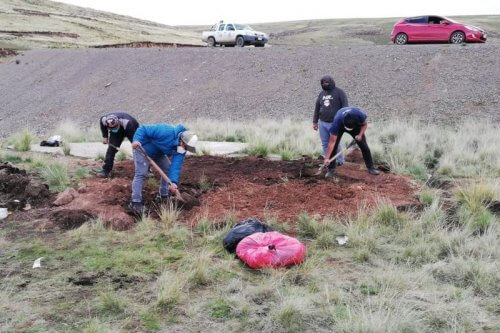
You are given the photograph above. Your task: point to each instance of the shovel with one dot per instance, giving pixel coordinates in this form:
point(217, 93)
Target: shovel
point(323, 166)
point(155, 166)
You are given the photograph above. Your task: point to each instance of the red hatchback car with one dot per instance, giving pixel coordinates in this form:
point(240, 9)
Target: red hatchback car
point(435, 29)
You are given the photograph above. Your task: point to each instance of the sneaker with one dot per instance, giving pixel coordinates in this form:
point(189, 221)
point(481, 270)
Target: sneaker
point(103, 174)
point(373, 171)
point(136, 207)
point(329, 174)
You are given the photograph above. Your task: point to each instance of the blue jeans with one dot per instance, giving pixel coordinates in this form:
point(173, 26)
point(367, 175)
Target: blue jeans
point(324, 135)
point(141, 165)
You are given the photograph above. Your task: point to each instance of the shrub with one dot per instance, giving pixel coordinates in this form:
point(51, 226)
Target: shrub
point(22, 141)
point(56, 175)
point(204, 183)
point(387, 214)
point(475, 196)
point(12, 158)
point(169, 290)
point(427, 197)
point(290, 317)
point(109, 303)
point(308, 227)
point(220, 308)
point(259, 149)
point(66, 148)
point(286, 154)
point(121, 156)
point(169, 214)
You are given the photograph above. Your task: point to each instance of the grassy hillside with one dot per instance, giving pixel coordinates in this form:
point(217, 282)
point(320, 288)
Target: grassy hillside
point(362, 31)
point(31, 24)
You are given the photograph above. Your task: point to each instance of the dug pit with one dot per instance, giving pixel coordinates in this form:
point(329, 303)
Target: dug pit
point(246, 187)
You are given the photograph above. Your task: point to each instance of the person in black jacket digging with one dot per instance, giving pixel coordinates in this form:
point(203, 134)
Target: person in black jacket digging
point(353, 121)
point(329, 101)
point(114, 128)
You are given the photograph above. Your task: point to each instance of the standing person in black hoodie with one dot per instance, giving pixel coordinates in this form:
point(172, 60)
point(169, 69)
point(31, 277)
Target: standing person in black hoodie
point(330, 100)
point(114, 128)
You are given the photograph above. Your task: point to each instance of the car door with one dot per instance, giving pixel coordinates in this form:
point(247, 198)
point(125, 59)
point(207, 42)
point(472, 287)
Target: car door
point(219, 34)
point(416, 28)
point(230, 34)
point(437, 29)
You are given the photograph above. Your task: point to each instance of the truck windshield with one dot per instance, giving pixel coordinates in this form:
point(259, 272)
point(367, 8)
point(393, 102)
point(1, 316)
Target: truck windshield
point(242, 27)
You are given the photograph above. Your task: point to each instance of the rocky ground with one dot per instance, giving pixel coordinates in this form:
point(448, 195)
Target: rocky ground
point(438, 83)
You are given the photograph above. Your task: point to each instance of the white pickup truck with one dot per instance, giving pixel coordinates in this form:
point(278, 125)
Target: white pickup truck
point(231, 34)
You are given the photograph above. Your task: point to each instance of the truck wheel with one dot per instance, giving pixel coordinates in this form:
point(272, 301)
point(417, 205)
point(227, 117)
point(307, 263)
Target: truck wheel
point(240, 41)
point(211, 42)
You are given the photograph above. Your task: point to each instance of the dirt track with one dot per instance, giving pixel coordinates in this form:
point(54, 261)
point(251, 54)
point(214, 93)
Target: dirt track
point(439, 83)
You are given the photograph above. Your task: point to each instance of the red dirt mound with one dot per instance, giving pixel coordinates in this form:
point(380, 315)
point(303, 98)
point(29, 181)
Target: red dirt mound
point(219, 186)
point(250, 187)
point(256, 187)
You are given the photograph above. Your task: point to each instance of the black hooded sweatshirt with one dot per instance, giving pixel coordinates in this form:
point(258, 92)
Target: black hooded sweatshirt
point(329, 102)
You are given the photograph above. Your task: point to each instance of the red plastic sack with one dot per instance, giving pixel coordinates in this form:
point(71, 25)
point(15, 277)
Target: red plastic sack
point(270, 249)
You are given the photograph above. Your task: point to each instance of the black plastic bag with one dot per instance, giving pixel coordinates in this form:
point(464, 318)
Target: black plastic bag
point(241, 230)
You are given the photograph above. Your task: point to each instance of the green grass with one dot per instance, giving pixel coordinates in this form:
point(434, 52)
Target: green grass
point(66, 149)
point(121, 156)
point(432, 270)
point(12, 158)
point(22, 141)
point(56, 175)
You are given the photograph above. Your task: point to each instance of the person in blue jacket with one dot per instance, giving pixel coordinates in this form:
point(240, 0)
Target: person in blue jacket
point(353, 121)
point(166, 145)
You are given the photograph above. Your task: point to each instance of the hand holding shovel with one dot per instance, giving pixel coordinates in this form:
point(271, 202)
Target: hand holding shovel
point(155, 166)
point(327, 162)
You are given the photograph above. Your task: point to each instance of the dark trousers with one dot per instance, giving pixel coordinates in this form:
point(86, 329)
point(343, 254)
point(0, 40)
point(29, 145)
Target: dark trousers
point(363, 145)
point(115, 140)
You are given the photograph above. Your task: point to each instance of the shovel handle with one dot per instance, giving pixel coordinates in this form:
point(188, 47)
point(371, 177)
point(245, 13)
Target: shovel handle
point(337, 155)
point(162, 174)
point(155, 166)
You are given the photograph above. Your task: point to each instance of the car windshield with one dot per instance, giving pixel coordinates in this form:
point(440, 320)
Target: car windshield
point(449, 19)
point(242, 27)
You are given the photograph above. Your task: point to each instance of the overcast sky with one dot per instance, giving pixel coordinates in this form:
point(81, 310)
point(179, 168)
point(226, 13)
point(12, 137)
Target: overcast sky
point(200, 12)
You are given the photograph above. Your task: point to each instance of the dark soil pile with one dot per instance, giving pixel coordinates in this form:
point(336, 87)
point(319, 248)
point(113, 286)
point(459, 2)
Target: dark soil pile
point(19, 190)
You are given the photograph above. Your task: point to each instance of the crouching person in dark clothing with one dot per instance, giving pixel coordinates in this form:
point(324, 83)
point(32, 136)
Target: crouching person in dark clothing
point(353, 121)
point(114, 128)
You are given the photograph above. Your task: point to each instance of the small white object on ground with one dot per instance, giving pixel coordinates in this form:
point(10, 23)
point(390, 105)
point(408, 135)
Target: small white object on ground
point(3, 213)
point(342, 240)
point(27, 207)
point(38, 263)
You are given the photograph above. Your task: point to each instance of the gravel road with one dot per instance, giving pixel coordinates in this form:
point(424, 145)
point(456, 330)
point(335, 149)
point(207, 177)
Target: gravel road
point(436, 83)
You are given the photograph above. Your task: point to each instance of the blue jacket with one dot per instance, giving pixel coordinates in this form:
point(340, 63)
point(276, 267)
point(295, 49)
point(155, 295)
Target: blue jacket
point(163, 139)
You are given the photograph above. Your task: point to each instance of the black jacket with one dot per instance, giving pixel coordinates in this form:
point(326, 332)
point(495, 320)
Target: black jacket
point(329, 102)
point(128, 125)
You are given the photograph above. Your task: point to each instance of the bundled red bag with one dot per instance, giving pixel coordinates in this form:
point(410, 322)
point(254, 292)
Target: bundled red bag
point(270, 249)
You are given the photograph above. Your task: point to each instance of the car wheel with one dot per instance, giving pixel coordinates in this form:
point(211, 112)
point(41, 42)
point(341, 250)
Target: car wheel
point(458, 37)
point(240, 41)
point(211, 42)
point(401, 38)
